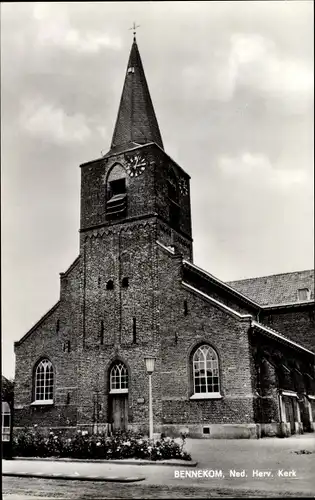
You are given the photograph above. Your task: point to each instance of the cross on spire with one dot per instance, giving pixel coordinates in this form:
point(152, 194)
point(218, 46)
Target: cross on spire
point(134, 27)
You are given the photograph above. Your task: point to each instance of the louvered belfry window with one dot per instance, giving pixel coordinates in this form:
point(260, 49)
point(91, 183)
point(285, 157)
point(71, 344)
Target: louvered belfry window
point(116, 195)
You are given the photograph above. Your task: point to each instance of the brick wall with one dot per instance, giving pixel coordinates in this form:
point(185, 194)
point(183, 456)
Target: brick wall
point(181, 333)
point(93, 326)
point(296, 324)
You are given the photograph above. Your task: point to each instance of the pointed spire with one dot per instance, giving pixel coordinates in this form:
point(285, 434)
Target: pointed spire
point(136, 121)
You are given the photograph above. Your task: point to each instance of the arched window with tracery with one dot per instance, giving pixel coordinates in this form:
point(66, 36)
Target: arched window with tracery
point(118, 378)
point(44, 381)
point(206, 375)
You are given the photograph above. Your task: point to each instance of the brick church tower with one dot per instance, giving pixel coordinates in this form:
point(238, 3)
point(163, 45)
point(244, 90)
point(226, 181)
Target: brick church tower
point(133, 200)
point(221, 370)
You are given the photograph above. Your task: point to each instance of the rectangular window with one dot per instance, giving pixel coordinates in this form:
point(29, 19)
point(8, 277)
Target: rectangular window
point(134, 331)
point(102, 333)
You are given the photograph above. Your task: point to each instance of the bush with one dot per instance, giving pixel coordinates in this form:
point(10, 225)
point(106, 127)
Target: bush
point(32, 443)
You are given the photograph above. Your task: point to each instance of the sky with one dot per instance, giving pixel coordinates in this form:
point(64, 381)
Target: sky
point(232, 88)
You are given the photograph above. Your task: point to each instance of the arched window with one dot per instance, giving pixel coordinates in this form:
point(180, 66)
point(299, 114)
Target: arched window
point(6, 421)
point(44, 381)
point(118, 378)
point(206, 372)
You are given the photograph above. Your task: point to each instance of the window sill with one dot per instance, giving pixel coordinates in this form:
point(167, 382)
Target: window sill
point(43, 402)
point(206, 395)
point(119, 391)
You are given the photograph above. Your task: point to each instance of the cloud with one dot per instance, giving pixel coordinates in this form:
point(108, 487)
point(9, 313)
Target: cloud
point(258, 169)
point(53, 124)
point(54, 28)
point(255, 61)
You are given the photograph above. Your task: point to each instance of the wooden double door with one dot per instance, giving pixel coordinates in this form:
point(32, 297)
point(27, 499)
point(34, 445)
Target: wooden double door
point(290, 412)
point(119, 412)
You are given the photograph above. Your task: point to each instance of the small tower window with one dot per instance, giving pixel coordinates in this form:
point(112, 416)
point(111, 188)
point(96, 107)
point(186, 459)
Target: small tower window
point(57, 325)
point(134, 330)
point(66, 346)
point(185, 308)
point(125, 282)
point(304, 294)
point(174, 210)
point(102, 333)
point(110, 285)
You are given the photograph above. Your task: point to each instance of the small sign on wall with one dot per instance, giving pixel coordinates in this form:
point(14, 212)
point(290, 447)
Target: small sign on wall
point(140, 400)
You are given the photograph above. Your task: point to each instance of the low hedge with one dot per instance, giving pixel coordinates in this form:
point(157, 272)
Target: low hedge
point(30, 442)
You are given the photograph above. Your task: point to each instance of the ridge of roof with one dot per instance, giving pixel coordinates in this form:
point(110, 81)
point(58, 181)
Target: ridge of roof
point(222, 283)
point(271, 275)
point(46, 315)
point(277, 289)
point(217, 302)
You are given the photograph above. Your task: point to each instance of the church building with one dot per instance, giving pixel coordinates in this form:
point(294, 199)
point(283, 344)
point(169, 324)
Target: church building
point(231, 359)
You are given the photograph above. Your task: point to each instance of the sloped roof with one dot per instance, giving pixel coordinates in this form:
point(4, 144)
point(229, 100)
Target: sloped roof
point(276, 288)
point(136, 122)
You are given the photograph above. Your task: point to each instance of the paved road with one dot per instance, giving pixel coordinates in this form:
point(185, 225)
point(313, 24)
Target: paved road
point(242, 456)
point(25, 488)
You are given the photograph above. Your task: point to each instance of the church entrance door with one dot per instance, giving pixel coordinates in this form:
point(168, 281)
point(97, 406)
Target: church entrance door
point(120, 412)
point(289, 410)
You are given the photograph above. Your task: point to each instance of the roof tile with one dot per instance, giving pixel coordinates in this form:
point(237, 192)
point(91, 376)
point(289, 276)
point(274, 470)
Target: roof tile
point(276, 288)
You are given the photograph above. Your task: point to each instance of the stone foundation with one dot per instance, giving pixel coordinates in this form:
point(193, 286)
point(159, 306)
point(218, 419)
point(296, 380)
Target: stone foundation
point(213, 431)
point(207, 431)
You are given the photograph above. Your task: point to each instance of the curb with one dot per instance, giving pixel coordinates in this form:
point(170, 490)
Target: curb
point(76, 477)
point(123, 461)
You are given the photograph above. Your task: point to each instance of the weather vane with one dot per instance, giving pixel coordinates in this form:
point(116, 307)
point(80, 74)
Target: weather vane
point(134, 27)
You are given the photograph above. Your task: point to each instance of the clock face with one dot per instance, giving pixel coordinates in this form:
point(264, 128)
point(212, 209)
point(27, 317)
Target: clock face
point(136, 165)
point(183, 187)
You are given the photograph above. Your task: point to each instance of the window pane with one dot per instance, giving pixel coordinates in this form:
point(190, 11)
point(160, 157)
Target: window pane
point(6, 420)
point(205, 370)
point(119, 377)
point(44, 381)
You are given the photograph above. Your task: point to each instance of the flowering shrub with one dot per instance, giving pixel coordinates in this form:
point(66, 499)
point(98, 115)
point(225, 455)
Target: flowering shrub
point(31, 443)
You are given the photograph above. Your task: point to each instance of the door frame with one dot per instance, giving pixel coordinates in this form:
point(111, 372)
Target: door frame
point(117, 392)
